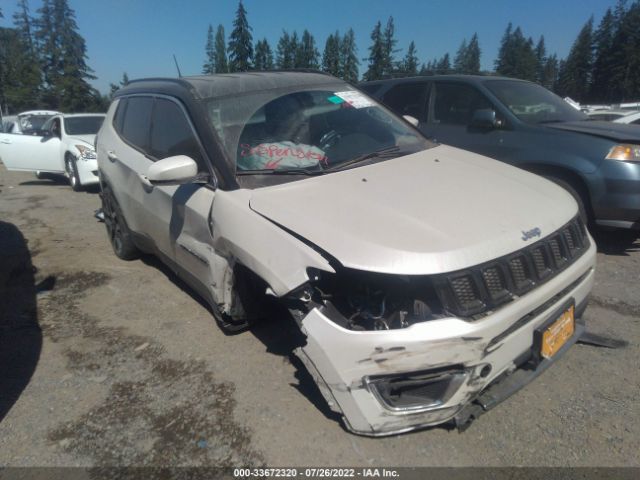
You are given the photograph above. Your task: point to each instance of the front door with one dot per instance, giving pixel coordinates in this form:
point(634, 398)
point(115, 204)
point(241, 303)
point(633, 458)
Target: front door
point(29, 153)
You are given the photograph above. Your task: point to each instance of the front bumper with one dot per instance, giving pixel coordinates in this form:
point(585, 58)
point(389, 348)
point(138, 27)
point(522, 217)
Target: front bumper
point(617, 200)
point(87, 171)
point(477, 355)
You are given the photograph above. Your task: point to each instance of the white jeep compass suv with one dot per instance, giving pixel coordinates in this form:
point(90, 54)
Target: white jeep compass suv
point(430, 282)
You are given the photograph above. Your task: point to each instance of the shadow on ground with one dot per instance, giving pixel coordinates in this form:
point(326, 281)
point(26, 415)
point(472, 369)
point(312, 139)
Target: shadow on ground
point(20, 334)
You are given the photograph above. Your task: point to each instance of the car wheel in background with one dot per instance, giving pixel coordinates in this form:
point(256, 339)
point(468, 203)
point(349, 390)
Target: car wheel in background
point(117, 229)
point(72, 172)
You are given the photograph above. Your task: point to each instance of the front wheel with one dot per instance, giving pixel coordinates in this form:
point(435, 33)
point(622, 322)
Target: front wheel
point(72, 172)
point(119, 234)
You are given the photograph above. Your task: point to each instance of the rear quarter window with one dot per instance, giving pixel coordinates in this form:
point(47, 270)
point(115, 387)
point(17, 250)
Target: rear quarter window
point(118, 118)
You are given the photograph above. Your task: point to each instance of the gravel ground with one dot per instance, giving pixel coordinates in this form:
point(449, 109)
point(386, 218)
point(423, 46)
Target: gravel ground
point(105, 362)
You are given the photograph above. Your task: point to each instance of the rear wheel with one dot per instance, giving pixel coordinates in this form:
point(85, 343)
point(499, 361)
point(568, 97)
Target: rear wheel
point(72, 172)
point(119, 234)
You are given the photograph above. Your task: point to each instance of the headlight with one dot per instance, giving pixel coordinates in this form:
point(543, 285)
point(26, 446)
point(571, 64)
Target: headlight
point(86, 153)
point(624, 152)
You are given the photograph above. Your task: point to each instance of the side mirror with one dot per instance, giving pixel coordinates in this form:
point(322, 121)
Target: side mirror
point(175, 170)
point(484, 118)
point(412, 120)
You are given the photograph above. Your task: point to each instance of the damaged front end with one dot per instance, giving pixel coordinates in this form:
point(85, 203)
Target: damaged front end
point(393, 353)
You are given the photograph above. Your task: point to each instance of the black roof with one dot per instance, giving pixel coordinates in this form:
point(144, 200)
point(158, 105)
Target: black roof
point(221, 85)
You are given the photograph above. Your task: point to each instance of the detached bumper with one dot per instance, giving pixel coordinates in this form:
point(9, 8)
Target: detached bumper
point(453, 369)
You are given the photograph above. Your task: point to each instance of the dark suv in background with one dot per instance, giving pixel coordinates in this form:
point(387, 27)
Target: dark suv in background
point(526, 125)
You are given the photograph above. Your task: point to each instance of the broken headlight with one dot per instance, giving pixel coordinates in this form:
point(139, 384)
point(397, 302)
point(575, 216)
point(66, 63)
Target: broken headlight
point(371, 301)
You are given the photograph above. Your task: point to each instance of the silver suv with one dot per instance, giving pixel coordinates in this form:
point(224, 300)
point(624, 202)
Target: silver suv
point(430, 282)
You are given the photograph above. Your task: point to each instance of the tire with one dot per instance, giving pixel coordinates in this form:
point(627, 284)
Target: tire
point(72, 172)
point(119, 234)
point(579, 195)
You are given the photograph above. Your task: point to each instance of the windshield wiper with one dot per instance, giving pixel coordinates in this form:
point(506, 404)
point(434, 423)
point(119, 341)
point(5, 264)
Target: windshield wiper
point(281, 171)
point(367, 156)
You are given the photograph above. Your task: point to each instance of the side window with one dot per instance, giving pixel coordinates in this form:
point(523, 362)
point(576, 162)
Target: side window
point(118, 118)
point(137, 120)
point(408, 99)
point(455, 103)
point(172, 134)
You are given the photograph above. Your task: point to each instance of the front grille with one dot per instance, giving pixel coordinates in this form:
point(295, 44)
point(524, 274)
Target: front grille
point(472, 292)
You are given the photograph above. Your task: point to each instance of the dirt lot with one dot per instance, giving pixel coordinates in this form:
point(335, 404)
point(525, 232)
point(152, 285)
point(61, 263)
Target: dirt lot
point(106, 362)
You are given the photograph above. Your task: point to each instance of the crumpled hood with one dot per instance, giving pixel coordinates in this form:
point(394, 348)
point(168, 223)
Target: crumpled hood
point(434, 211)
point(618, 132)
point(88, 139)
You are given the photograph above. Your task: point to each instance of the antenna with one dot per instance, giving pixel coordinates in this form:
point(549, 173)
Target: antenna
point(177, 67)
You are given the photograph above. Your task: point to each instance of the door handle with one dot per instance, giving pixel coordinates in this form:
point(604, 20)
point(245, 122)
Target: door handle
point(111, 155)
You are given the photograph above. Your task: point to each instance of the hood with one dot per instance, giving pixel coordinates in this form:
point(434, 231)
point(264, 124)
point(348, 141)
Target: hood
point(618, 132)
point(88, 139)
point(434, 211)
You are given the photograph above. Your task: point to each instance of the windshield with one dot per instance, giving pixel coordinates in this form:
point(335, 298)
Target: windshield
point(32, 123)
point(532, 103)
point(310, 130)
point(83, 125)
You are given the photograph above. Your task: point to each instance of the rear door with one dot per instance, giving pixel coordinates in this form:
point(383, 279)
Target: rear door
point(31, 152)
point(409, 99)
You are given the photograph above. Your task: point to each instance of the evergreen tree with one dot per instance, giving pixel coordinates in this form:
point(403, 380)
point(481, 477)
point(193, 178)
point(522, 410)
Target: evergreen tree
point(296, 52)
point(410, 61)
point(460, 59)
point(221, 65)
point(377, 55)
point(23, 23)
point(285, 52)
point(348, 57)
point(541, 59)
point(516, 57)
point(113, 88)
point(389, 50)
point(576, 75)
point(263, 56)
point(550, 72)
point(603, 55)
point(331, 55)
point(240, 42)
point(444, 65)
point(630, 35)
point(19, 74)
point(64, 53)
point(209, 64)
point(307, 52)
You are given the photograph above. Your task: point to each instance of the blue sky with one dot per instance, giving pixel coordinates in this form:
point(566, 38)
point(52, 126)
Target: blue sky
point(140, 36)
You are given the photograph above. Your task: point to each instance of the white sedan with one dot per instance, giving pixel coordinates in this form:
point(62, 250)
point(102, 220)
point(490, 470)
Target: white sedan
point(64, 146)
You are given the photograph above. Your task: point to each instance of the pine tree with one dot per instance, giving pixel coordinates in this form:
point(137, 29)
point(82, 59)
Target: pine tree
point(575, 80)
point(263, 56)
point(23, 23)
point(550, 73)
point(240, 42)
point(331, 55)
point(113, 88)
point(603, 56)
point(348, 57)
point(377, 58)
point(221, 65)
point(541, 59)
point(389, 42)
point(209, 64)
point(516, 57)
point(473, 55)
point(460, 60)
point(64, 53)
point(444, 65)
point(410, 61)
point(307, 52)
point(285, 54)
point(296, 52)
point(630, 33)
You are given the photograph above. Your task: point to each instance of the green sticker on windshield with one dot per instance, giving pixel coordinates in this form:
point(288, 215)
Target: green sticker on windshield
point(335, 99)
